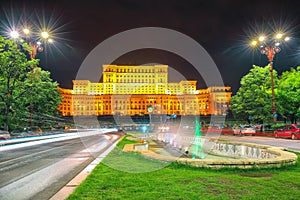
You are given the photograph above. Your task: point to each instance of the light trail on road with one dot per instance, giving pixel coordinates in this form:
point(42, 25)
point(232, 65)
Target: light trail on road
point(40, 170)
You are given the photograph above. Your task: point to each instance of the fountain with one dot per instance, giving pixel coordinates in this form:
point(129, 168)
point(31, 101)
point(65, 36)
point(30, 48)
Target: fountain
point(198, 150)
point(207, 151)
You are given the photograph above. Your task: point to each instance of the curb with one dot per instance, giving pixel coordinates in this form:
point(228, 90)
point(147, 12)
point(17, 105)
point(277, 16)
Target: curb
point(69, 188)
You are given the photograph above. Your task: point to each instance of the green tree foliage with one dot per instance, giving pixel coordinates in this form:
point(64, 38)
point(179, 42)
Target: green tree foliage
point(14, 66)
point(254, 96)
point(21, 86)
point(41, 100)
point(288, 95)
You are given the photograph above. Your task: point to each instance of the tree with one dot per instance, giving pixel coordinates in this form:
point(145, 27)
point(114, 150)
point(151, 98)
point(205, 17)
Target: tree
point(288, 95)
point(14, 66)
point(22, 84)
point(254, 96)
point(42, 98)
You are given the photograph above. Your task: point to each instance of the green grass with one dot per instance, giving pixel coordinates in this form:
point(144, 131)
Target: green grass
point(117, 177)
point(125, 141)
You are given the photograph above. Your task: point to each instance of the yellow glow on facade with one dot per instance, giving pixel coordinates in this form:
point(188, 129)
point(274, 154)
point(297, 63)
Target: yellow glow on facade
point(128, 90)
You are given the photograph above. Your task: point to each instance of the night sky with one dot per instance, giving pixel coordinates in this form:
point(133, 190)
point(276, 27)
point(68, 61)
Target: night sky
point(221, 27)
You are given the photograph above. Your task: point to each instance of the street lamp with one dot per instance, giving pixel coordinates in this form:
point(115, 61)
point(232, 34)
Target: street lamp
point(150, 111)
point(269, 46)
point(14, 34)
point(33, 39)
point(35, 42)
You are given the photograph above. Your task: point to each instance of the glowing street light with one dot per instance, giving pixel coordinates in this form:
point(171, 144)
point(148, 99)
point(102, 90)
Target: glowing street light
point(34, 40)
point(286, 39)
point(36, 43)
point(45, 35)
point(14, 34)
point(261, 38)
point(270, 47)
point(253, 43)
point(26, 31)
point(278, 36)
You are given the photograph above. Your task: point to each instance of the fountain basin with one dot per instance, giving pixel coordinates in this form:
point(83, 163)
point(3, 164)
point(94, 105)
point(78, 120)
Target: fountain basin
point(241, 155)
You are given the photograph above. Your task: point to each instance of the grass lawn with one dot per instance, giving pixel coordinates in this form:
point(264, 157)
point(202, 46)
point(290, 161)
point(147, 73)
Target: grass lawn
point(131, 176)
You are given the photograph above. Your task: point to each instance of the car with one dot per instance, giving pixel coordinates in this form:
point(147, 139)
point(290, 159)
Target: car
point(291, 131)
point(227, 130)
point(4, 135)
point(262, 127)
point(236, 130)
point(247, 130)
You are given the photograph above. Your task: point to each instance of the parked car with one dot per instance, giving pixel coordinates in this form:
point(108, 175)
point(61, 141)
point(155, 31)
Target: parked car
point(288, 131)
point(227, 130)
point(236, 130)
point(264, 130)
point(4, 135)
point(263, 127)
point(247, 130)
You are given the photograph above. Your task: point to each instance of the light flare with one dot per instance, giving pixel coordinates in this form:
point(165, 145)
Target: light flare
point(261, 38)
point(253, 43)
point(45, 35)
point(287, 39)
point(278, 36)
point(26, 31)
point(14, 34)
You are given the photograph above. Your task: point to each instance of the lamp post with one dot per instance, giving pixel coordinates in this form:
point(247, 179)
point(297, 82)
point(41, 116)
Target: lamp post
point(269, 46)
point(150, 110)
point(35, 41)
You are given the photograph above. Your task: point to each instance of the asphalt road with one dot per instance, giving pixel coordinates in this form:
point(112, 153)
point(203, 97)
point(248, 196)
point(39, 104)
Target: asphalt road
point(286, 143)
point(39, 171)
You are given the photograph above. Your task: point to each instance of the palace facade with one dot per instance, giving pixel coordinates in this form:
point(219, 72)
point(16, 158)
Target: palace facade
point(129, 90)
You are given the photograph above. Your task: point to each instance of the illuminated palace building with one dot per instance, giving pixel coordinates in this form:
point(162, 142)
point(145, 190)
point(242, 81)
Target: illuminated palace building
point(129, 90)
